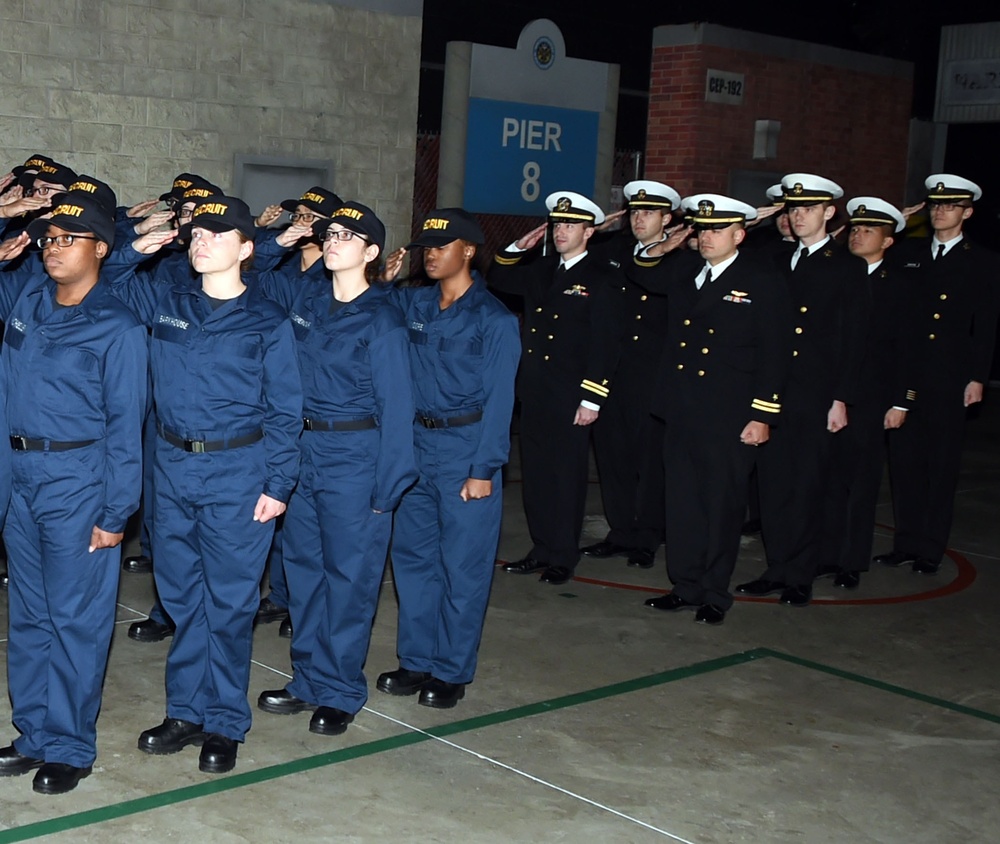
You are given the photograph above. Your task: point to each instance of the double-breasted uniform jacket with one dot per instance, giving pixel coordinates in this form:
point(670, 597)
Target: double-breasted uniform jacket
point(831, 306)
point(571, 324)
point(727, 353)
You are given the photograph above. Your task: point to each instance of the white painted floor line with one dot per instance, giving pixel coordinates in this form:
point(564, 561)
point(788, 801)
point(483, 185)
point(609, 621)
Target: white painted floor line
point(533, 778)
point(266, 667)
point(139, 613)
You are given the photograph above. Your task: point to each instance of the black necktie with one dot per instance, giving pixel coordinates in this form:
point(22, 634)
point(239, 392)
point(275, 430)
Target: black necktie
point(561, 270)
point(940, 251)
point(708, 278)
point(804, 253)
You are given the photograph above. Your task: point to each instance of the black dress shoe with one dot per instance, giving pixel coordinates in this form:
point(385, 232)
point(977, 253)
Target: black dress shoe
point(218, 754)
point(328, 721)
point(58, 778)
point(797, 596)
point(402, 681)
point(140, 564)
point(895, 559)
point(847, 580)
point(922, 565)
point(710, 614)
point(760, 587)
point(269, 611)
point(751, 527)
point(171, 736)
point(604, 549)
point(529, 565)
point(13, 763)
point(641, 558)
point(282, 702)
point(556, 575)
point(150, 631)
point(285, 631)
point(4, 579)
point(671, 602)
point(441, 695)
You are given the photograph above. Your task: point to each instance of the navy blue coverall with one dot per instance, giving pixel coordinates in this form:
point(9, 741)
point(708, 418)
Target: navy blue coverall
point(74, 375)
point(463, 361)
point(224, 375)
point(357, 460)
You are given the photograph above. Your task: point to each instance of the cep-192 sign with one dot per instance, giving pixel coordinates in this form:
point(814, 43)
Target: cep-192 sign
point(518, 153)
point(724, 87)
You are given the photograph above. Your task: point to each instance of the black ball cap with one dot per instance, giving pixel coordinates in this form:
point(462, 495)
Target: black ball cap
point(77, 212)
point(444, 225)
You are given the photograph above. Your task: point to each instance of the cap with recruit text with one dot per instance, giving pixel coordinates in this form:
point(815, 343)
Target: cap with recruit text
point(947, 187)
point(57, 174)
point(809, 189)
point(568, 207)
point(355, 217)
point(101, 191)
point(186, 181)
point(79, 212)
point(324, 202)
point(31, 166)
point(652, 195)
point(220, 214)
point(715, 211)
point(443, 225)
point(872, 211)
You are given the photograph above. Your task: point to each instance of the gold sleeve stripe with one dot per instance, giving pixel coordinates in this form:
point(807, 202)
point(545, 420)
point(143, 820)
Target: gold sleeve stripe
point(768, 403)
point(595, 388)
point(641, 261)
point(505, 262)
point(911, 395)
point(765, 406)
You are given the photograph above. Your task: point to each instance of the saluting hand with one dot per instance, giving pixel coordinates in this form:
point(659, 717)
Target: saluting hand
point(763, 213)
point(5, 180)
point(393, 264)
point(268, 216)
point(141, 209)
point(475, 488)
point(609, 220)
point(14, 246)
point(153, 241)
point(103, 539)
point(267, 508)
point(531, 238)
point(292, 235)
point(153, 221)
point(21, 204)
point(676, 237)
point(910, 210)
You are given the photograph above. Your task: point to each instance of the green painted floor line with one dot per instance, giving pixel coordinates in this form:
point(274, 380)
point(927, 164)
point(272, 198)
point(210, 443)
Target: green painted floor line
point(218, 786)
point(886, 687)
point(283, 769)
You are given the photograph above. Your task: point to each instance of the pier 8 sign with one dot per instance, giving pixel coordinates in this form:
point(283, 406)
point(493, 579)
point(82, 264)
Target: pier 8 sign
point(518, 153)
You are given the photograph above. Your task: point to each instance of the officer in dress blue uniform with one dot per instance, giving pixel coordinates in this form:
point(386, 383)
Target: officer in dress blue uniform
point(464, 349)
point(75, 362)
point(721, 379)
point(570, 340)
point(228, 406)
point(628, 444)
point(831, 300)
point(885, 397)
point(954, 281)
point(357, 460)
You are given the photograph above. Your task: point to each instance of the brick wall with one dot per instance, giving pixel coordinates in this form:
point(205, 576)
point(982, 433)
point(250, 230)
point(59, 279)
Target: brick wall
point(134, 93)
point(851, 125)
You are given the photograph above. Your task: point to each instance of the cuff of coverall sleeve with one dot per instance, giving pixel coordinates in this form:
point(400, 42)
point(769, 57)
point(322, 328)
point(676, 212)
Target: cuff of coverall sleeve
point(278, 493)
point(112, 523)
point(482, 471)
point(385, 505)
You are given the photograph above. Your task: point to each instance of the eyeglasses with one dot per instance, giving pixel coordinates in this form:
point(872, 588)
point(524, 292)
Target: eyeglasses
point(62, 240)
point(343, 235)
point(948, 206)
point(305, 218)
point(185, 214)
point(44, 190)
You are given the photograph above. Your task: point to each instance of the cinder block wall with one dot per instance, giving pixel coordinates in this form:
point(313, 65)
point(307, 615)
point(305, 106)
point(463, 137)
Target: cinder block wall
point(135, 92)
point(844, 115)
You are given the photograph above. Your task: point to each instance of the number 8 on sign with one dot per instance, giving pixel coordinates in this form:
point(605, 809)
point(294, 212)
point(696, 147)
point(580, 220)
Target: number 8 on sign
point(530, 189)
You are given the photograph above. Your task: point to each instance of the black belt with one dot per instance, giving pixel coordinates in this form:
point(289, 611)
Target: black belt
point(202, 446)
point(27, 444)
point(339, 425)
point(453, 422)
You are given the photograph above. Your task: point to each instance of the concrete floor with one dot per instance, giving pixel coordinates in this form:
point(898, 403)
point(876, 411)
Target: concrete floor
point(869, 717)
